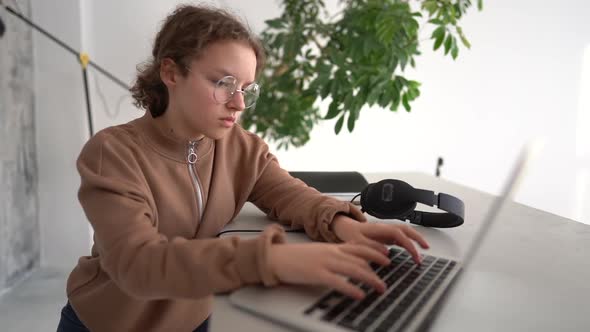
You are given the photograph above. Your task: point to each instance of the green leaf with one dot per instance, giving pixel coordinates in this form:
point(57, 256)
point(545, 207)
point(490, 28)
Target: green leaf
point(394, 63)
point(463, 38)
point(454, 52)
point(414, 84)
point(438, 33)
point(394, 105)
point(412, 94)
point(347, 102)
point(448, 44)
point(430, 6)
point(479, 5)
point(399, 83)
point(438, 41)
point(453, 14)
point(326, 90)
point(351, 121)
point(403, 60)
point(333, 110)
point(405, 103)
point(384, 98)
point(387, 94)
point(454, 49)
point(373, 97)
point(335, 85)
point(324, 68)
point(276, 23)
point(339, 123)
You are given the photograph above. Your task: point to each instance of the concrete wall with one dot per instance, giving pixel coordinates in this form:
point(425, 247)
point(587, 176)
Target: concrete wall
point(19, 225)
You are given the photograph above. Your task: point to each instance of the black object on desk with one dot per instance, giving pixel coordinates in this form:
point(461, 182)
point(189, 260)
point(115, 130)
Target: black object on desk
point(333, 182)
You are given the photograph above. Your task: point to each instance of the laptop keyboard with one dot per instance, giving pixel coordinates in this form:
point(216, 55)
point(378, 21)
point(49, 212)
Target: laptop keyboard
point(409, 287)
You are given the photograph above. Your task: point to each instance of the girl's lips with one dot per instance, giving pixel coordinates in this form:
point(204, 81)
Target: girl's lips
point(228, 122)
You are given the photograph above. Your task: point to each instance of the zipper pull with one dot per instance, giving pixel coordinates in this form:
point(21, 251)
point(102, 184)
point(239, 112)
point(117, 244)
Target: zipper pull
point(192, 154)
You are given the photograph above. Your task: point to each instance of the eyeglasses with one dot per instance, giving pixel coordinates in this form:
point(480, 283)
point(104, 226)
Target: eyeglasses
point(226, 87)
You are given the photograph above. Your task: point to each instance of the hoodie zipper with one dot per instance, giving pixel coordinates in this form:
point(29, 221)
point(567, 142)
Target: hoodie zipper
point(192, 158)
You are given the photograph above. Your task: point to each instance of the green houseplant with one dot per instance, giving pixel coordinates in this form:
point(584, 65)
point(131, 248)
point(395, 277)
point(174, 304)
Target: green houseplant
point(355, 57)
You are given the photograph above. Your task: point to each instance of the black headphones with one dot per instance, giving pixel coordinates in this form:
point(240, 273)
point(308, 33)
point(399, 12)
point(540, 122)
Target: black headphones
point(396, 199)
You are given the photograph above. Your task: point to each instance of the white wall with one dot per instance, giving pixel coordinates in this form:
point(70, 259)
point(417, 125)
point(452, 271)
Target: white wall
point(520, 79)
point(61, 132)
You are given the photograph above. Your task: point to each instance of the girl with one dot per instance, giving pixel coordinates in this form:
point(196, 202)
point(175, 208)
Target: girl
point(158, 189)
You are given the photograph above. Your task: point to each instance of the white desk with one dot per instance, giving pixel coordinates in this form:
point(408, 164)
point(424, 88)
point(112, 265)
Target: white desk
point(532, 274)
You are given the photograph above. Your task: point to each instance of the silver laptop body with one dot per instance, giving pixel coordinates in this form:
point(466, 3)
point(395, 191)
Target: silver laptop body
point(410, 302)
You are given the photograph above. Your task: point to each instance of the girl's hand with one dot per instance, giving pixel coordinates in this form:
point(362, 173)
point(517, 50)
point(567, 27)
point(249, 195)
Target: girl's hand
point(328, 264)
point(377, 235)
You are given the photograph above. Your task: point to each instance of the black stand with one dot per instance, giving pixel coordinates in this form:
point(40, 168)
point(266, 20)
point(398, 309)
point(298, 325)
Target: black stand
point(82, 58)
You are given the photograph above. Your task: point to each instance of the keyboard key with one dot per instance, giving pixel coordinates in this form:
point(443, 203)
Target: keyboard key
point(338, 309)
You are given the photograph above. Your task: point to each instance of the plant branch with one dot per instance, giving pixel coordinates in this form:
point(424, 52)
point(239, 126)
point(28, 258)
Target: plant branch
point(358, 59)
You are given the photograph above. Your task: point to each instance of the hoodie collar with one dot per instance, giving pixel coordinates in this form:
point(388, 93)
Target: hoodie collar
point(168, 144)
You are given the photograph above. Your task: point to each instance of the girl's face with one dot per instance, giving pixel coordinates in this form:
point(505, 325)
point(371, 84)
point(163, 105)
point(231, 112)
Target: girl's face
point(200, 103)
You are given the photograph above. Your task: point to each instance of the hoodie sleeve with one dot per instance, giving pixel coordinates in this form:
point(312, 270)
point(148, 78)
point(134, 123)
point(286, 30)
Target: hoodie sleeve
point(144, 263)
point(290, 201)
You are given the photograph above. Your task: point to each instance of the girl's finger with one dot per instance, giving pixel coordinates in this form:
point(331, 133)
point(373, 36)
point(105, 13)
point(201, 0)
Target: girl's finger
point(341, 284)
point(404, 241)
point(380, 232)
point(349, 269)
point(375, 245)
point(366, 241)
point(366, 253)
point(415, 235)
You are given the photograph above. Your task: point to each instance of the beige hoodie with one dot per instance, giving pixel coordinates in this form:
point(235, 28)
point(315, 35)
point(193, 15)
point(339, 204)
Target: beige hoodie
point(156, 262)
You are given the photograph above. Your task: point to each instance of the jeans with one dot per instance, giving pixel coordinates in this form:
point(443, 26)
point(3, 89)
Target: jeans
point(69, 322)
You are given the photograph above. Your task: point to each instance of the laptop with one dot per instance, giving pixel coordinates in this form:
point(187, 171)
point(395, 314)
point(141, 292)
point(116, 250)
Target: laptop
point(414, 294)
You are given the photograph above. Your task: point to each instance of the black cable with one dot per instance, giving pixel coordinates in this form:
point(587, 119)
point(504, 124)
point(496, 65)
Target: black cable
point(87, 95)
point(41, 30)
point(66, 47)
point(357, 195)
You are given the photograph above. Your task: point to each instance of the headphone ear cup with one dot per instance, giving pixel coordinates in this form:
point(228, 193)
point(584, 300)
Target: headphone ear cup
point(388, 199)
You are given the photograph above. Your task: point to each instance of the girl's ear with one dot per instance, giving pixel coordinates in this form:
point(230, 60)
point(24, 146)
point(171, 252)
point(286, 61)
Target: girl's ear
point(168, 72)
